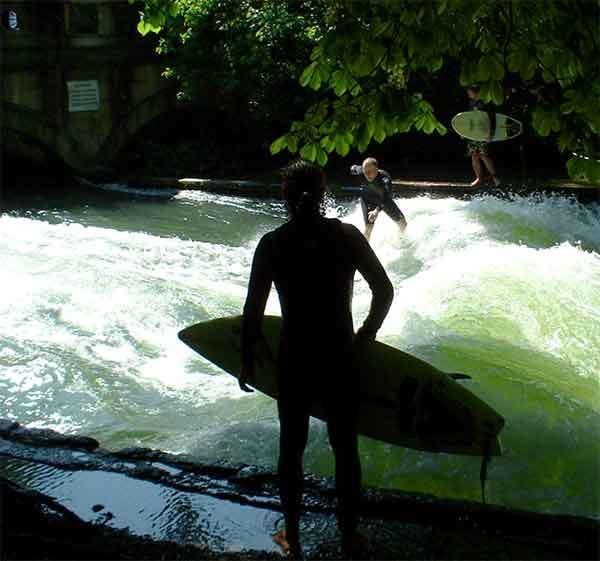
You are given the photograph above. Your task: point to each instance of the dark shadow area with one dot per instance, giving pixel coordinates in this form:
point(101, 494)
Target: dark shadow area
point(199, 141)
point(26, 165)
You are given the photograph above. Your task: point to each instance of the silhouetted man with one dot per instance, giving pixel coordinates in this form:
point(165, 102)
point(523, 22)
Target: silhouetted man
point(312, 260)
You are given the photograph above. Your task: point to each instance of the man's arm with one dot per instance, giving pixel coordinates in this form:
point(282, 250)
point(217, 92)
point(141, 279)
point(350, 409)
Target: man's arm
point(259, 287)
point(491, 113)
point(372, 270)
point(386, 181)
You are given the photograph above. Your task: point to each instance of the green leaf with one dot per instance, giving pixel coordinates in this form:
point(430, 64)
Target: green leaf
point(564, 140)
point(407, 16)
point(419, 122)
point(441, 129)
point(515, 61)
point(279, 144)
point(309, 152)
point(520, 61)
point(317, 52)
point(380, 135)
point(528, 71)
point(376, 52)
point(340, 82)
point(356, 90)
point(437, 64)
point(307, 74)
point(404, 123)
point(429, 124)
point(483, 70)
point(321, 157)
point(380, 28)
point(371, 125)
point(364, 138)
point(143, 27)
point(548, 77)
point(496, 93)
point(292, 143)
point(484, 92)
point(327, 143)
point(540, 121)
point(496, 68)
point(567, 107)
point(341, 146)
point(362, 66)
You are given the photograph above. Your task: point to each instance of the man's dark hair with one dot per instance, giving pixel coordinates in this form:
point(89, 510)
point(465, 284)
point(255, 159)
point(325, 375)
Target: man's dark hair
point(474, 87)
point(303, 188)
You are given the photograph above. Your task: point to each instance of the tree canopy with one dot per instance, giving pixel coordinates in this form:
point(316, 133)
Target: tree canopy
point(240, 54)
point(374, 64)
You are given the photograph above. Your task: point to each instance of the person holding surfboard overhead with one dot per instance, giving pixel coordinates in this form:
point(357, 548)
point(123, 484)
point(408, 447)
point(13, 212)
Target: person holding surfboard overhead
point(312, 261)
point(480, 151)
point(376, 195)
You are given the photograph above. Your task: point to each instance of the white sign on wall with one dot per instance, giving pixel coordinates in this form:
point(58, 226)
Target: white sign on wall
point(84, 95)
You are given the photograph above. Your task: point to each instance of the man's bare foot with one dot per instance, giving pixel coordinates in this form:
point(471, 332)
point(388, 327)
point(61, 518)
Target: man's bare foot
point(293, 551)
point(476, 183)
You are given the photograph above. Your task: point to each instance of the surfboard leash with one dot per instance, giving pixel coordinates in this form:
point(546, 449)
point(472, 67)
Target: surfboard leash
point(484, 467)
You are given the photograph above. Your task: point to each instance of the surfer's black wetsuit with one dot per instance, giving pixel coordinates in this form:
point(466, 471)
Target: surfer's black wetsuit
point(312, 262)
point(377, 194)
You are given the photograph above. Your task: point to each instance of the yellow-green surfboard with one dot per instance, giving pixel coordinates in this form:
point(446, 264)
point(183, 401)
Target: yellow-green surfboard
point(451, 419)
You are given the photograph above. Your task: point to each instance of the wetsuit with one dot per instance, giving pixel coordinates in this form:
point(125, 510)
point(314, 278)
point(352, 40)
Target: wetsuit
point(481, 147)
point(377, 194)
point(312, 263)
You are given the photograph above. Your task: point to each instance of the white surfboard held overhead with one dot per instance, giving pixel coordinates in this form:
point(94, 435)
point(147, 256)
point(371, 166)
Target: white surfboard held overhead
point(475, 125)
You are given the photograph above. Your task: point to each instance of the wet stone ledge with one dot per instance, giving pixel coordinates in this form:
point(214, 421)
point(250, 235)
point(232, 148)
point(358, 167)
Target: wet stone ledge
point(468, 529)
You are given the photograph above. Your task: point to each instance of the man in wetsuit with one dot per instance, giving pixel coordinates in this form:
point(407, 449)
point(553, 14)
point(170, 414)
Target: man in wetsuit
point(376, 195)
point(312, 261)
point(479, 151)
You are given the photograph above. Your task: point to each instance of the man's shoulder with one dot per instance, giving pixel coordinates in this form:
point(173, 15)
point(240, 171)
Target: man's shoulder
point(349, 230)
point(288, 228)
point(269, 238)
point(385, 176)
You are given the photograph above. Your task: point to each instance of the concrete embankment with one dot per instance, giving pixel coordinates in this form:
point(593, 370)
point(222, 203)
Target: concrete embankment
point(402, 187)
point(150, 504)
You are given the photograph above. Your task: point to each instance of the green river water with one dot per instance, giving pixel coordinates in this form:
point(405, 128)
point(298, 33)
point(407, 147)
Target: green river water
point(97, 284)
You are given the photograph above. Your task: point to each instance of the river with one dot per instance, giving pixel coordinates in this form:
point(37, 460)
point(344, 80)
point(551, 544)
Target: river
point(97, 284)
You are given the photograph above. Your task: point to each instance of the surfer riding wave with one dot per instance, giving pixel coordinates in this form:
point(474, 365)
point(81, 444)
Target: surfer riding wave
point(376, 195)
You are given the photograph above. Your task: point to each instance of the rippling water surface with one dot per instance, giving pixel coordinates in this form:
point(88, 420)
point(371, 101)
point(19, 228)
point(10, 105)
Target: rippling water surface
point(96, 286)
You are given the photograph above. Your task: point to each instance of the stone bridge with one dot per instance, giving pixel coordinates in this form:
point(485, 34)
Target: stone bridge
point(78, 81)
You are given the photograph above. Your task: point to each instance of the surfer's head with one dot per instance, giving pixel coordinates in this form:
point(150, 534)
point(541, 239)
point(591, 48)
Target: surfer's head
point(303, 189)
point(370, 168)
point(473, 92)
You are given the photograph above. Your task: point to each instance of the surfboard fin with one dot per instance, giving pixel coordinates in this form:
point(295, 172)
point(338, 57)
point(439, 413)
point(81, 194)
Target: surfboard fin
point(459, 376)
